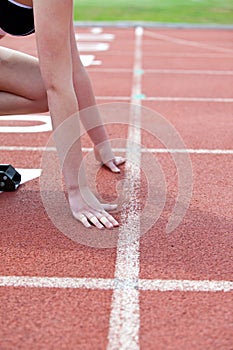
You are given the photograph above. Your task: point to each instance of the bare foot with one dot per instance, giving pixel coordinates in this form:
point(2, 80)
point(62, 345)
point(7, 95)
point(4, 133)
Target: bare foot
point(89, 211)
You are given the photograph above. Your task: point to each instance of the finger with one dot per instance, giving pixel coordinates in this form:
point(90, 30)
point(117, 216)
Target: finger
point(93, 219)
point(103, 217)
point(113, 221)
point(112, 166)
point(109, 207)
point(82, 218)
point(106, 222)
point(119, 160)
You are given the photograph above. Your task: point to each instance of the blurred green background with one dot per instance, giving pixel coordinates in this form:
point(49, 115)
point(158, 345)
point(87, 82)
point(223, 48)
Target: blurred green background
point(170, 11)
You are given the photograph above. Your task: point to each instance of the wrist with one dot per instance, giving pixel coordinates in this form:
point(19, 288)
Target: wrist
point(103, 152)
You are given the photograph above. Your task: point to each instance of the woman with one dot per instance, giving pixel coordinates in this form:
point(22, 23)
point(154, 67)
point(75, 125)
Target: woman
point(28, 85)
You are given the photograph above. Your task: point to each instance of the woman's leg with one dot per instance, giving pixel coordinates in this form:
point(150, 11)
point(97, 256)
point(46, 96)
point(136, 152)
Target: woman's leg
point(21, 87)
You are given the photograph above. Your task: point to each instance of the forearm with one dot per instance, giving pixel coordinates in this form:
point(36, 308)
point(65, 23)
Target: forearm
point(89, 115)
point(63, 108)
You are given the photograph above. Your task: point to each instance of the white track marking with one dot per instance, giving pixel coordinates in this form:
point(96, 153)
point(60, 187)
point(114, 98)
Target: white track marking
point(189, 54)
point(92, 47)
point(150, 98)
point(96, 30)
point(187, 42)
point(27, 148)
point(170, 99)
point(175, 54)
point(165, 71)
point(89, 60)
point(125, 313)
point(123, 150)
point(44, 125)
point(28, 174)
point(94, 37)
point(112, 284)
point(191, 99)
point(190, 71)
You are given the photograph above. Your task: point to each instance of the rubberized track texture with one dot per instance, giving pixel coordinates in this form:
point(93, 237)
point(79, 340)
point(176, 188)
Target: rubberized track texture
point(163, 280)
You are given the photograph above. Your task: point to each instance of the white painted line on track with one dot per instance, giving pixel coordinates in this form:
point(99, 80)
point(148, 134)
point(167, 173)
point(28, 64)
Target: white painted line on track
point(89, 60)
point(44, 125)
point(112, 284)
point(27, 148)
point(189, 150)
point(123, 150)
point(191, 99)
point(28, 174)
point(188, 54)
point(93, 47)
point(94, 37)
point(187, 42)
point(125, 312)
point(96, 30)
point(174, 54)
point(169, 99)
point(190, 71)
point(164, 71)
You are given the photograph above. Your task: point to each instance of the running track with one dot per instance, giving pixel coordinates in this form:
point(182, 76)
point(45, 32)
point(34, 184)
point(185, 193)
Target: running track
point(155, 291)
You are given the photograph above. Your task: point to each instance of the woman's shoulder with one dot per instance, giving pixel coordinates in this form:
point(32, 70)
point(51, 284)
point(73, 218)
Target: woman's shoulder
point(2, 33)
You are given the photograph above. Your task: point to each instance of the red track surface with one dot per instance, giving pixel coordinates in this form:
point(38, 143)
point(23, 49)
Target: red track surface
point(200, 248)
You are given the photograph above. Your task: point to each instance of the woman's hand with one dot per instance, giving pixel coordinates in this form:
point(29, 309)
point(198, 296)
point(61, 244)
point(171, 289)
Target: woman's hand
point(114, 163)
point(111, 164)
point(86, 208)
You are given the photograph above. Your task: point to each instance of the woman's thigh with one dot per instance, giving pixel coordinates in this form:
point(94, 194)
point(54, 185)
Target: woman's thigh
point(20, 74)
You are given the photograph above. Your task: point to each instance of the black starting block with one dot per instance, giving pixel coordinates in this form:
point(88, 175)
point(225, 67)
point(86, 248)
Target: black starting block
point(9, 178)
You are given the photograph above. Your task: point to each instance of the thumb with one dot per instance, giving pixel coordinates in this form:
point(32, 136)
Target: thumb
point(112, 166)
point(109, 207)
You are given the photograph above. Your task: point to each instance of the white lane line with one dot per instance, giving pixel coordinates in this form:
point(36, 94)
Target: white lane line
point(186, 285)
point(96, 30)
point(187, 42)
point(94, 37)
point(164, 71)
point(112, 284)
point(27, 148)
point(93, 47)
point(123, 150)
point(44, 123)
point(89, 60)
point(191, 99)
point(174, 54)
point(125, 312)
point(190, 151)
point(188, 54)
point(190, 71)
point(29, 174)
point(169, 99)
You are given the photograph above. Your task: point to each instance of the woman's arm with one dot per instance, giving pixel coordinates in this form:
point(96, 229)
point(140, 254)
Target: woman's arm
point(2, 34)
point(90, 116)
point(53, 19)
point(52, 22)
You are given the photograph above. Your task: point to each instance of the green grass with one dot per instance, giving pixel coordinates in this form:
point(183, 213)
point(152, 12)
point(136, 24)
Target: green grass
point(172, 11)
